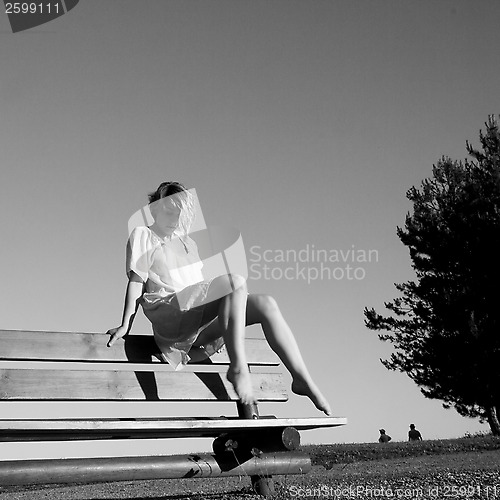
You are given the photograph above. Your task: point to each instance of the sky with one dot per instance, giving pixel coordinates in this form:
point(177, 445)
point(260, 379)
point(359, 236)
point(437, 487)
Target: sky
point(302, 123)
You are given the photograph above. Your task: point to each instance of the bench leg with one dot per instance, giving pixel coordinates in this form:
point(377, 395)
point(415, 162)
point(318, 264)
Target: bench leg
point(247, 411)
point(263, 485)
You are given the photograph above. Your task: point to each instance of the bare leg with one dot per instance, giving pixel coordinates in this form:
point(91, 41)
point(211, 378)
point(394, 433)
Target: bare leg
point(231, 321)
point(264, 310)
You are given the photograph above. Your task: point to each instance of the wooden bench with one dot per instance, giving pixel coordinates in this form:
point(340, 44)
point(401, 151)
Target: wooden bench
point(61, 366)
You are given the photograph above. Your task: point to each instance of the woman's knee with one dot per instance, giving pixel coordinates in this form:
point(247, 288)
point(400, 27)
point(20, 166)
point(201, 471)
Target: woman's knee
point(238, 282)
point(266, 305)
point(227, 284)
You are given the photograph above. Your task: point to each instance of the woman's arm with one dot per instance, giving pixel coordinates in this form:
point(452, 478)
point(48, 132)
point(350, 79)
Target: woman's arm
point(132, 296)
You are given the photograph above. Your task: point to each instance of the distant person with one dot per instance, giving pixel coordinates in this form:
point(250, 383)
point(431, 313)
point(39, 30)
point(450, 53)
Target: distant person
point(413, 434)
point(384, 438)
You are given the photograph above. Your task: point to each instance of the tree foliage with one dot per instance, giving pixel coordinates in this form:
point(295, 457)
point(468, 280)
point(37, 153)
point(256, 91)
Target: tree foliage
point(444, 326)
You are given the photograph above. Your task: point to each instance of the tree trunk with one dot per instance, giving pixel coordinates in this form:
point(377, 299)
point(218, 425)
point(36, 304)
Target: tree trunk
point(492, 415)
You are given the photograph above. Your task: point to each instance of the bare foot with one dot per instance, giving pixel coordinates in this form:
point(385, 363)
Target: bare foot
point(303, 388)
point(242, 384)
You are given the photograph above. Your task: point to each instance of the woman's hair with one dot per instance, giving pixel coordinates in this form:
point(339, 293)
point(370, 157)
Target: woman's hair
point(181, 198)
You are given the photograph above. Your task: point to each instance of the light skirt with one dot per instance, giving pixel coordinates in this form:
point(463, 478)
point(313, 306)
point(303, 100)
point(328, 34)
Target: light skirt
point(177, 320)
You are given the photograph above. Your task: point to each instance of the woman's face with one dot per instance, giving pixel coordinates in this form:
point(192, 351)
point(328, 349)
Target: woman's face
point(167, 214)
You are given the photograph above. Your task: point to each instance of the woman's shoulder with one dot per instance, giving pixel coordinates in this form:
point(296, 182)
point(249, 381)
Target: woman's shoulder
point(138, 230)
point(142, 233)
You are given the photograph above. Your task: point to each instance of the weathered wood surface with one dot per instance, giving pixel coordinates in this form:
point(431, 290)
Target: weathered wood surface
point(74, 346)
point(17, 430)
point(110, 385)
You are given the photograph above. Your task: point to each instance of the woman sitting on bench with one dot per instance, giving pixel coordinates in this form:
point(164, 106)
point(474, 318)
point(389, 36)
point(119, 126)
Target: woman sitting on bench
point(190, 314)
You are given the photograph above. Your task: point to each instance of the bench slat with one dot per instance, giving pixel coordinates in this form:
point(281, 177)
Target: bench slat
point(96, 385)
point(74, 346)
point(147, 428)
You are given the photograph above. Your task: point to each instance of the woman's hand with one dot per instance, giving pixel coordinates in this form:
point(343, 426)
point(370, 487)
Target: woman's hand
point(116, 333)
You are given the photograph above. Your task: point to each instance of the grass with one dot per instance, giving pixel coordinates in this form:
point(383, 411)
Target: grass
point(327, 455)
point(466, 468)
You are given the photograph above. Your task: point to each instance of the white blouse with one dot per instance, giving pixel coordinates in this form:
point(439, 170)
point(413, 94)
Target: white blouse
point(165, 265)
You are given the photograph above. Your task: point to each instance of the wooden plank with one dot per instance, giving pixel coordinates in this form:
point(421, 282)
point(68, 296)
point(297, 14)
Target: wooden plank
point(111, 385)
point(26, 364)
point(75, 346)
point(153, 427)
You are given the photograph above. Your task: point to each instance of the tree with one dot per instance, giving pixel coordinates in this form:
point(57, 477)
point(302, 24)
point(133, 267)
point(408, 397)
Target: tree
point(444, 326)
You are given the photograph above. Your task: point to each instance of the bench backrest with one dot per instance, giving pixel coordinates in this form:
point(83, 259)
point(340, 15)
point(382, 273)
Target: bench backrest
point(70, 366)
